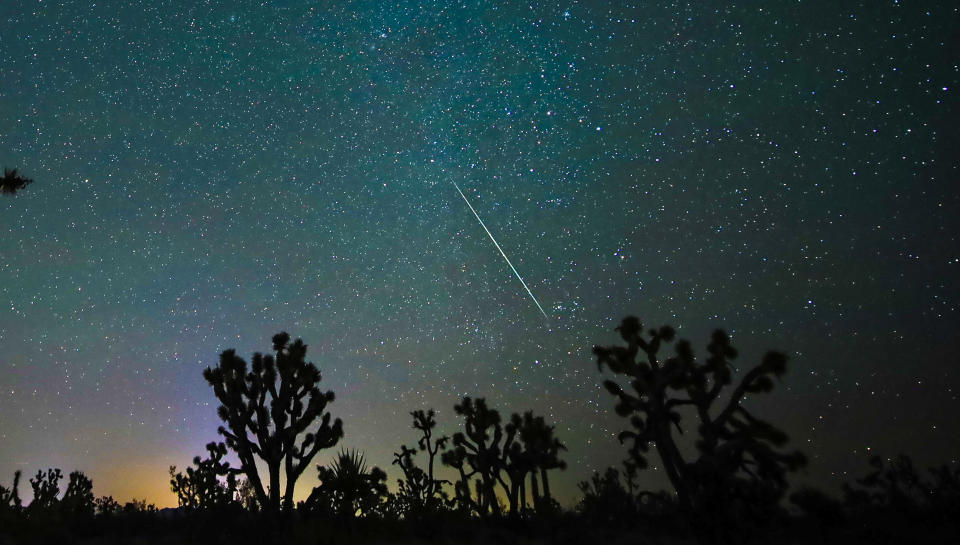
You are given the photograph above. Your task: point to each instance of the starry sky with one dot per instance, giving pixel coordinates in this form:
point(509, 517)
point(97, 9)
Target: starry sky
point(211, 173)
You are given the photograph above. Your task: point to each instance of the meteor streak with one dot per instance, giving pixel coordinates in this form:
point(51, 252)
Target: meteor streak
point(501, 251)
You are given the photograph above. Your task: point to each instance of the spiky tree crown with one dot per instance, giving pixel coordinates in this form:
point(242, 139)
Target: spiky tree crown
point(731, 439)
point(267, 408)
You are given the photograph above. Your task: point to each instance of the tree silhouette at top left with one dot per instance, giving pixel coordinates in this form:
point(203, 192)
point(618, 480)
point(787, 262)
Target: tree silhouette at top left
point(11, 182)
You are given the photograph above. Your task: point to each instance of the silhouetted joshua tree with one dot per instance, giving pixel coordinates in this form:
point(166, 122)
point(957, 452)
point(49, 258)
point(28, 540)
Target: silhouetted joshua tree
point(201, 487)
point(419, 490)
point(516, 462)
point(463, 499)
point(78, 499)
point(480, 448)
point(10, 497)
point(348, 489)
point(488, 450)
point(46, 491)
point(737, 473)
point(267, 408)
point(541, 450)
point(11, 182)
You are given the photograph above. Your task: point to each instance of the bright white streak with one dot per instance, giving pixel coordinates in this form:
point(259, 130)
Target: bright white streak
point(501, 251)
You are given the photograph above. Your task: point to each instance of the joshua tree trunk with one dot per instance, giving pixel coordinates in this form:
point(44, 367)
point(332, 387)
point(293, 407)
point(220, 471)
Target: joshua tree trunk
point(523, 493)
point(490, 496)
point(253, 477)
point(670, 455)
point(535, 489)
point(265, 407)
point(288, 495)
point(546, 484)
point(275, 486)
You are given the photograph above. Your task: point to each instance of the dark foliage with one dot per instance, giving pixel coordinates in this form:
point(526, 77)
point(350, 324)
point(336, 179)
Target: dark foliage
point(606, 500)
point(78, 499)
point(728, 490)
point(211, 484)
point(611, 502)
point(106, 505)
point(737, 475)
point(266, 409)
point(11, 182)
point(818, 507)
point(896, 488)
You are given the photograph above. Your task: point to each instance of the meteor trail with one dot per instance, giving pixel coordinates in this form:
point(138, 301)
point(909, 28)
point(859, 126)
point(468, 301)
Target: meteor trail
point(501, 251)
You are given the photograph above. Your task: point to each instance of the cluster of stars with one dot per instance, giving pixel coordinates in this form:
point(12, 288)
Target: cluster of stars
point(209, 176)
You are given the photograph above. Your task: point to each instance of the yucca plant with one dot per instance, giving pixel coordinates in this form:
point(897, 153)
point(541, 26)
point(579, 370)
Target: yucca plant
point(348, 488)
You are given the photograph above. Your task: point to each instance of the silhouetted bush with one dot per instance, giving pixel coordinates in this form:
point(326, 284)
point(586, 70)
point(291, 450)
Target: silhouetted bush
point(612, 502)
point(817, 506)
point(606, 501)
point(348, 489)
point(895, 488)
point(107, 506)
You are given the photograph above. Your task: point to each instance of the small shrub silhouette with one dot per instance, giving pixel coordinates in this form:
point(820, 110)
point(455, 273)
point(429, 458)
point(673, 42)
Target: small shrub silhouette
point(107, 506)
point(266, 409)
point(136, 506)
point(738, 476)
point(895, 487)
point(606, 501)
point(609, 501)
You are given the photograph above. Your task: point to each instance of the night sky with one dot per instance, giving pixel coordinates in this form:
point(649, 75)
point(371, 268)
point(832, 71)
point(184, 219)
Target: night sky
point(211, 173)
